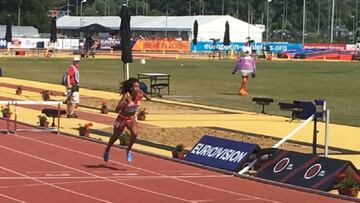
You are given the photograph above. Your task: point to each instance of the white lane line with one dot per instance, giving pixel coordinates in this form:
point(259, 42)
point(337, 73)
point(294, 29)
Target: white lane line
point(115, 176)
point(125, 174)
point(111, 171)
point(246, 199)
point(49, 178)
point(252, 199)
point(57, 175)
point(52, 185)
point(178, 171)
point(47, 172)
point(12, 198)
point(90, 174)
point(102, 180)
point(190, 174)
point(57, 183)
point(149, 171)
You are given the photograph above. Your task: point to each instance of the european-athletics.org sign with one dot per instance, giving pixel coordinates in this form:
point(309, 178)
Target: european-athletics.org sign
point(220, 153)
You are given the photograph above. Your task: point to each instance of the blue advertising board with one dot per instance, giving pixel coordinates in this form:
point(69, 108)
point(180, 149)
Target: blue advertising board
point(284, 165)
point(220, 153)
point(320, 175)
point(305, 170)
point(275, 47)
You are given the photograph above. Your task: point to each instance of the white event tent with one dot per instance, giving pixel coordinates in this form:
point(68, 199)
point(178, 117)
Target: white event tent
point(20, 31)
point(209, 26)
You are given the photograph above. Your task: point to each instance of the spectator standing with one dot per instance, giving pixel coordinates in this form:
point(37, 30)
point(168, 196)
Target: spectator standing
point(72, 87)
point(89, 42)
point(94, 47)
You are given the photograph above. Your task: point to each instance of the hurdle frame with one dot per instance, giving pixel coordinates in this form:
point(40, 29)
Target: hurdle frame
point(7, 119)
point(326, 117)
point(16, 103)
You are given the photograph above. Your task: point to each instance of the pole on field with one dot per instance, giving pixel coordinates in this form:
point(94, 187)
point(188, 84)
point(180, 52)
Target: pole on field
point(326, 142)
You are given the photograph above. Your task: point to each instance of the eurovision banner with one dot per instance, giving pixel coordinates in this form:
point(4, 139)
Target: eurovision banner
point(221, 153)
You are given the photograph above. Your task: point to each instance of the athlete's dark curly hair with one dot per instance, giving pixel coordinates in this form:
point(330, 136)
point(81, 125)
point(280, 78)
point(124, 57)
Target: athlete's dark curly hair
point(125, 86)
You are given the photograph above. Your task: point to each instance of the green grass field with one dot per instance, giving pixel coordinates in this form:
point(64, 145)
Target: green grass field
point(210, 81)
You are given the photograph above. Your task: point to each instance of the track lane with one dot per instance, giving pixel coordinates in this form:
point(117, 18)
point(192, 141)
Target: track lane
point(147, 178)
point(199, 191)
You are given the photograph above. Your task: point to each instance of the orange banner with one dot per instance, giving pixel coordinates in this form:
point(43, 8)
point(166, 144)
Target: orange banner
point(161, 45)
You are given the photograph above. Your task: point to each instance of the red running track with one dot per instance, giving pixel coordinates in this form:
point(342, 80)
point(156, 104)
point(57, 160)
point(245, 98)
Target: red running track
point(45, 167)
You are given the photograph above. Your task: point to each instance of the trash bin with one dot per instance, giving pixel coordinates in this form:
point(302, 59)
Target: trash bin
point(1, 72)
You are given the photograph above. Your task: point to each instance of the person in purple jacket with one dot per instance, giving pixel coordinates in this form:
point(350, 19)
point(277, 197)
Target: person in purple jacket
point(246, 66)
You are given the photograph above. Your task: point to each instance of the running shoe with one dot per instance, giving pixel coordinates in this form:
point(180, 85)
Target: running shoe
point(106, 155)
point(72, 116)
point(128, 156)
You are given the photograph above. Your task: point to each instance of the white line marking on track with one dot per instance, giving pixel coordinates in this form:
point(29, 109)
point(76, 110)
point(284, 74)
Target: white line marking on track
point(50, 178)
point(191, 174)
point(125, 174)
point(52, 185)
point(58, 183)
point(118, 177)
point(246, 199)
point(81, 171)
point(108, 171)
point(57, 175)
point(48, 172)
point(11, 198)
point(149, 171)
point(175, 171)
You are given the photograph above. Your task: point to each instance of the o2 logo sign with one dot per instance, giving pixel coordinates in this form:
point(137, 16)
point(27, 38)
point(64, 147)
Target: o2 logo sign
point(312, 171)
point(281, 165)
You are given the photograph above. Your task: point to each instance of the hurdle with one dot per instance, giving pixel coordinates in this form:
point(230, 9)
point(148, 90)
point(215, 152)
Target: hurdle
point(324, 113)
point(7, 118)
point(16, 103)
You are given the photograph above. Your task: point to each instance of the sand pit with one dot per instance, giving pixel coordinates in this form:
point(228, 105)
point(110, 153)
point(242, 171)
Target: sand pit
point(190, 135)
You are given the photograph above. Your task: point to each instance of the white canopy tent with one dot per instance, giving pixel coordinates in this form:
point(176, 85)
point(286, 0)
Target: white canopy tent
point(210, 26)
point(20, 31)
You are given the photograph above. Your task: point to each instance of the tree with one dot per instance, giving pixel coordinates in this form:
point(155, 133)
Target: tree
point(34, 12)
